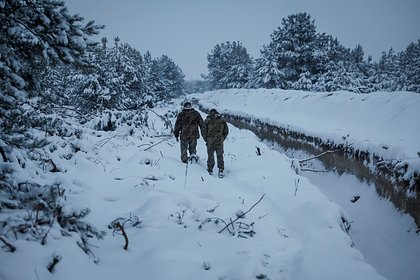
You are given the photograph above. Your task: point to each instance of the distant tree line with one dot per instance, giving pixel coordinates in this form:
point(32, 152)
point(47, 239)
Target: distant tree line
point(300, 58)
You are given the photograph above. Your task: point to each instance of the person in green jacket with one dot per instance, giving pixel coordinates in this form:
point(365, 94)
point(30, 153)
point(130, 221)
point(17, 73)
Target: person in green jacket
point(214, 132)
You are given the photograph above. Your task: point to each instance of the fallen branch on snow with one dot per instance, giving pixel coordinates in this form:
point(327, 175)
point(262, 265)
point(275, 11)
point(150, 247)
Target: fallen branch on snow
point(166, 139)
point(242, 215)
point(299, 164)
point(9, 245)
point(321, 154)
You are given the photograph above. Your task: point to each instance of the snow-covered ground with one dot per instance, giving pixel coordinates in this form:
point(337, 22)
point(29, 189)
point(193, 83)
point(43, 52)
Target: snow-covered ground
point(293, 231)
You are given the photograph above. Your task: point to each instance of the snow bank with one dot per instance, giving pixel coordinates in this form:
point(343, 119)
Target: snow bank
point(384, 123)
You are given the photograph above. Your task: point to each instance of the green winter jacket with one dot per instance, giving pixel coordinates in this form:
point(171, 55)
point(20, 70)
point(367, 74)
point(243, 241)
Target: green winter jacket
point(215, 129)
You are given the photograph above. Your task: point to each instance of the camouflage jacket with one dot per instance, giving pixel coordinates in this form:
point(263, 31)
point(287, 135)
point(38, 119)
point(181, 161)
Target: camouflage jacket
point(187, 123)
point(215, 129)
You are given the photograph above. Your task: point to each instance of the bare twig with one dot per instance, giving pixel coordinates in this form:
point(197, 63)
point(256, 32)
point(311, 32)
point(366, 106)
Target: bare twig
point(163, 135)
point(296, 185)
point(242, 215)
point(216, 220)
point(213, 209)
point(321, 154)
point(263, 216)
point(102, 142)
point(186, 175)
point(164, 119)
point(121, 228)
point(56, 259)
point(44, 239)
point(6, 242)
point(166, 139)
point(312, 170)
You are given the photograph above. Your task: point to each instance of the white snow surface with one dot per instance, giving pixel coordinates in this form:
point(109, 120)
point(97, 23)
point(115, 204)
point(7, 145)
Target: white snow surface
point(298, 230)
point(384, 123)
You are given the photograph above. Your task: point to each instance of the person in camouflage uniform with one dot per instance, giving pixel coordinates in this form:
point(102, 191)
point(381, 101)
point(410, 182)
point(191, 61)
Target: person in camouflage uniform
point(186, 128)
point(214, 132)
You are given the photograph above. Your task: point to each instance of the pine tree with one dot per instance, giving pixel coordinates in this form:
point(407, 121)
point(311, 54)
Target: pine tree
point(386, 73)
point(155, 80)
point(304, 83)
point(410, 68)
point(295, 46)
point(229, 66)
point(116, 79)
point(343, 75)
point(172, 78)
point(217, 68)
point(34, 34)
point(359, 70)
point(130, 67)
point(267, 73)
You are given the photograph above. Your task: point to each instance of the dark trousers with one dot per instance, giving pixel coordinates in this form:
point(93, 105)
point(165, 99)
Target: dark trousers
point(189, 144)
point(219, 155)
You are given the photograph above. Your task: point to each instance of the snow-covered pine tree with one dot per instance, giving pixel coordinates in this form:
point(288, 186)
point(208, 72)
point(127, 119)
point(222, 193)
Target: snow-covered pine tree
point(360, 69)
point(386, 73)
point(343, 75)
point(241, 69)
point(217, 68)
point(172, 78)
point(410, 68)
point(304, 83)
point(267, 73)
point(130, 67)
point(295, 46)
point(149, 77)
point(56, 85)
point(35, 34)
point(155, 80)
point(335, 51)
point(343, 68)
point(116, 79)
point(229, 66)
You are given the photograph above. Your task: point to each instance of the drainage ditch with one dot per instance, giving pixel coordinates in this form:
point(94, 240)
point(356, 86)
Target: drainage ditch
point(388, 177)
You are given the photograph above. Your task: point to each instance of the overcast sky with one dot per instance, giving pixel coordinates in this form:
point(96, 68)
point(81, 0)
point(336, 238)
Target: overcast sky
point(187, 30)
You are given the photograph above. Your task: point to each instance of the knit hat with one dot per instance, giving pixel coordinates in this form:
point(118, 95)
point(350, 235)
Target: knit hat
point(187, 105)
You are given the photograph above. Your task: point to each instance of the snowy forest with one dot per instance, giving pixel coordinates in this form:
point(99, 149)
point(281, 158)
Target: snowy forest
point(62, 90)
point(300, 58)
